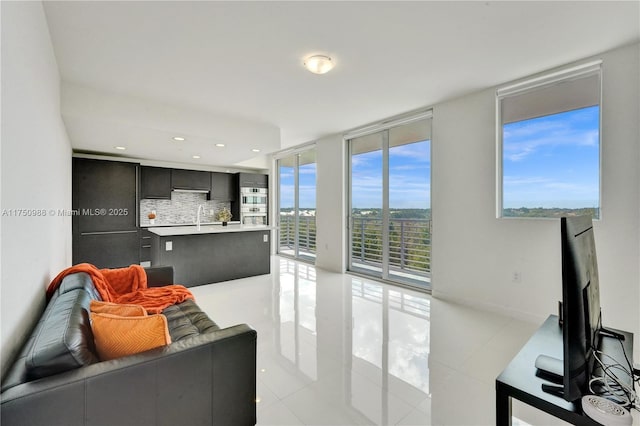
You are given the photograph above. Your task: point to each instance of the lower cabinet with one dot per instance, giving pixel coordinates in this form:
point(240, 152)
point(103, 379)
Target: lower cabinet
point(107, 249)
point(145, 247)
point(210, 258)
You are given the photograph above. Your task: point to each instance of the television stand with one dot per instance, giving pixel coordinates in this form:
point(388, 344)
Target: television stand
point(519, 380)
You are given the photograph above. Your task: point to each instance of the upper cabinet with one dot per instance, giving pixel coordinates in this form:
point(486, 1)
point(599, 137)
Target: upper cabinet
point(155, 182)
point(158, 182)
point(253, 180)
point(104, 192)
point(223, 187)
point(194, 180)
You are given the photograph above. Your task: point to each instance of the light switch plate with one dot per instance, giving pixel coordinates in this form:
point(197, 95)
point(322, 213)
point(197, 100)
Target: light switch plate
point(168, 246)
point(265, 238)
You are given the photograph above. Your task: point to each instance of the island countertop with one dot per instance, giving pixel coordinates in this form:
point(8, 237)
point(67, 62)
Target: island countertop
point(169, 231)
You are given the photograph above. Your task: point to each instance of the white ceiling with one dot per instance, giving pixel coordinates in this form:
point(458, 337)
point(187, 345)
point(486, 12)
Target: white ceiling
point(137, 73)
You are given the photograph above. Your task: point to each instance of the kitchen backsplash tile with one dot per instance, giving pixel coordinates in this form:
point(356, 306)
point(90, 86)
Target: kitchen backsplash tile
point(181, 209)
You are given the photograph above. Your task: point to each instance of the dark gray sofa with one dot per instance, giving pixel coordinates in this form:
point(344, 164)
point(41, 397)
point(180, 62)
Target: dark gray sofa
point(206, 376)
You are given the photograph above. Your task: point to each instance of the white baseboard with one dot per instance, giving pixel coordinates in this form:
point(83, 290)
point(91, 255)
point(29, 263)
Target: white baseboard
point(492, 307)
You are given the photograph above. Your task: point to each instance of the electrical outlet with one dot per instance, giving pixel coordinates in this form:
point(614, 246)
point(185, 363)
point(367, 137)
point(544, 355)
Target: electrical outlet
point(516, 277)
point(265, 238)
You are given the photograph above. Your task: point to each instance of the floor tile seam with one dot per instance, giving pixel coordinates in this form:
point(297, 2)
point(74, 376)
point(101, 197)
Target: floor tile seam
point(304, 385)
point(288, 410)
point(275, 391)
point(413, 388)
point(488, 343)
point(474, 350)
point(399, 422)
point(391, 392)
point(289, 396)
point(416, 406)
point(276, 400)
point(476, 380)
point(346, 412)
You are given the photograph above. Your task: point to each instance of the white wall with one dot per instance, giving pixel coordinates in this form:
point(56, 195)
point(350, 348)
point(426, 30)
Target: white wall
point(475, 254)
point(36, 171)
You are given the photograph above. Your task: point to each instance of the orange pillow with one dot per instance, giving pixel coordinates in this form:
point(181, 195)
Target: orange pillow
point(116, 336)
point(121, 309)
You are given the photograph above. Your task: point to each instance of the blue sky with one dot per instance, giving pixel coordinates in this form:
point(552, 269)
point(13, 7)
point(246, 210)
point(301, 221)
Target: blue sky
point(552, 161)
point(307, 184)
point(409, 177)
point(409, 174)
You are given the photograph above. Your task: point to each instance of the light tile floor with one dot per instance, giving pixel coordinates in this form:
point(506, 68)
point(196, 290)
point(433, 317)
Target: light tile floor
point(335, 349)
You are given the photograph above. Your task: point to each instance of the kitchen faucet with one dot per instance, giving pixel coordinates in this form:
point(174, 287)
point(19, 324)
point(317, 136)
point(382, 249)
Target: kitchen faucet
point(198, 216)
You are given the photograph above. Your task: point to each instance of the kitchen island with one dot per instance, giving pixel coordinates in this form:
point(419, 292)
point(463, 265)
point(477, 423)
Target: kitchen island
point(211, 253)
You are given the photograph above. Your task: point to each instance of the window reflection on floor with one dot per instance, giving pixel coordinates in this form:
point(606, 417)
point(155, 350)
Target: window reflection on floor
point(336, 349)
point(390, 347)
point(297, 303)
point(387, 343)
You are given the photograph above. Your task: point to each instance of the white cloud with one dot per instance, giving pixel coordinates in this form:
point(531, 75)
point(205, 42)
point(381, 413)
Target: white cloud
point(520, 140)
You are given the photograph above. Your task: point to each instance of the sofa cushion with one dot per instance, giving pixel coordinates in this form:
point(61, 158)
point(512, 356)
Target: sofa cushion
point(117, 336)
point(122, 309)
point(186, 319)
point(62, 339)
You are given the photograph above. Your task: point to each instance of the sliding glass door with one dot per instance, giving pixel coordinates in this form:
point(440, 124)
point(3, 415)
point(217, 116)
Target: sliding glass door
point(297, 205)
point(390, 196)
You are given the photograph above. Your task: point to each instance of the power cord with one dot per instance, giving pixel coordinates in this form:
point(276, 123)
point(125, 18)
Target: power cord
point(611, 386)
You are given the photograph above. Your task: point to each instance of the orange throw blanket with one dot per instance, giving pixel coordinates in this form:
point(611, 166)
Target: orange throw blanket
point(126, 285)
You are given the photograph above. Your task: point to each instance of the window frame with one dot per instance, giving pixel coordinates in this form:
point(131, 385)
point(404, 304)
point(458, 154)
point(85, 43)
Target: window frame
point(544, 81)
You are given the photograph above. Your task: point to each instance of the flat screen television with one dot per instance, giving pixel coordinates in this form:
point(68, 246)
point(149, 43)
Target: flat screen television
point(581, 317)
point(580, 314)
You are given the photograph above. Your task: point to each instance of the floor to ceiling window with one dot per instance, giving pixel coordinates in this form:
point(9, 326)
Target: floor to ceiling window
point(297, 204)
point(390, 201)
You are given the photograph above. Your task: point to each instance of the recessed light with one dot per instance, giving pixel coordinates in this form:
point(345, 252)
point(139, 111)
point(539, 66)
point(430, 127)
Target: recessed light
point(121, 148)
point(195, 157)
point(220, 145)
point(255, 150)
point(178, 138)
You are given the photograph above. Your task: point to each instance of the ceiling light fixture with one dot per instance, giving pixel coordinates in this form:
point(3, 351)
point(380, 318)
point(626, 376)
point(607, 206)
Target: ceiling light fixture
point(195, 157)
point(318, 64)
point(178, 138)
point(121, 148)
point(220, 145)
point(255, 150)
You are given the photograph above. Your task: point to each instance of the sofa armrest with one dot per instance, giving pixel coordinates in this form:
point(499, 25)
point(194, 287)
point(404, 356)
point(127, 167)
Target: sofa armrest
point(158, 276)
point(206, 379)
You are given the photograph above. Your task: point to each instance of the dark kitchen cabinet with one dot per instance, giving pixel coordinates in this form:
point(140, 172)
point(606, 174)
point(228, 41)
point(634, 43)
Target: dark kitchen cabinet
point(209, 258)
point(223, 187)
point(104, 193)
point(190, 180)
point(253, 180)
point(107, 249)
point(145, 245)
point(104, 197)
point(155, 182)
